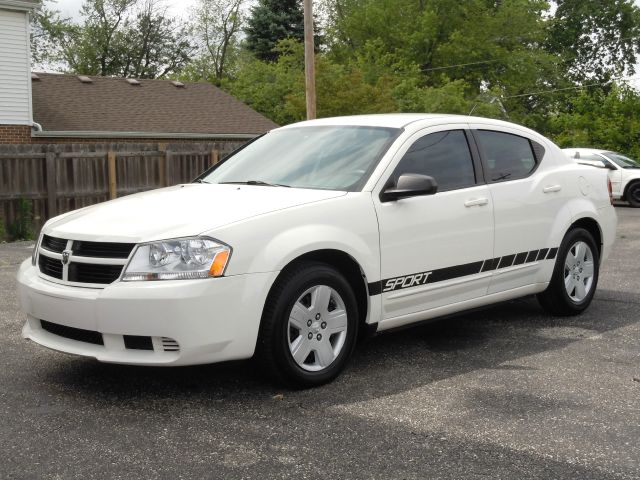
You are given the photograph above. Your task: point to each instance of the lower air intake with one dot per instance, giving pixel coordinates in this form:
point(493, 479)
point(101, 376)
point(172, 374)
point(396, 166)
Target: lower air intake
point(77, 334)
point(170, 345)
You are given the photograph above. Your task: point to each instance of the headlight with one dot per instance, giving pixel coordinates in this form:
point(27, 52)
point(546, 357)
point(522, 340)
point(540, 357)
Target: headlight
point(34, 254)
point(179, 259)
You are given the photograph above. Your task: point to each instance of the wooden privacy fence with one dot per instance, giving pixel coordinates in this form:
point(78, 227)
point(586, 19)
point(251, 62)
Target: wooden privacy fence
point(56, 180)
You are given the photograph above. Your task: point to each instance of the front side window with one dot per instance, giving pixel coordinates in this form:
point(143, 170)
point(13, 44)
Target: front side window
point(445, 156)
point(330, 158)
point(507, 156)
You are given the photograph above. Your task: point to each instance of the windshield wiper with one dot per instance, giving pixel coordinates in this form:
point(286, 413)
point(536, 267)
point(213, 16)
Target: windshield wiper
point(255, 182)
point(201, 181)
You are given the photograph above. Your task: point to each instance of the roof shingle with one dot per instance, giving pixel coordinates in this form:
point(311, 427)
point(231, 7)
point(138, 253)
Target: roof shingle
point(63, 103)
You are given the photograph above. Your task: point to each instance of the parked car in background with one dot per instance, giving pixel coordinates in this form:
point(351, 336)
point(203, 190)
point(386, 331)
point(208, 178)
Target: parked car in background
point(624, 172)
point(315, 233)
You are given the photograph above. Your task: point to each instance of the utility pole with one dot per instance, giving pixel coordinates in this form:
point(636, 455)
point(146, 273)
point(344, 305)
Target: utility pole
point(309, 60)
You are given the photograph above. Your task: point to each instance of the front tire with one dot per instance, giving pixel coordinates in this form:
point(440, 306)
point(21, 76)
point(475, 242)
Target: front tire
point(633, 195)
point(309, 326)
point(575, 275)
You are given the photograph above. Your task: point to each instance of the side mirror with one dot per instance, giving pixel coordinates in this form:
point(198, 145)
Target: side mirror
point(409, 185)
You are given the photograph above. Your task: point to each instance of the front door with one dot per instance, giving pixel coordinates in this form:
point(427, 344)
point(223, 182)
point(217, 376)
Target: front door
point(433, 247)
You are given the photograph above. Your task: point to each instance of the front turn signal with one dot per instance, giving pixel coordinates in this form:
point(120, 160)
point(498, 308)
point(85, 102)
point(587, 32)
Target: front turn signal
point(219, 264)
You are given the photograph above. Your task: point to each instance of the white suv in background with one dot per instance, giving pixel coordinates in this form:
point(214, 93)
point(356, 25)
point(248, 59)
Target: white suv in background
point(624, 172)
point(316, 233)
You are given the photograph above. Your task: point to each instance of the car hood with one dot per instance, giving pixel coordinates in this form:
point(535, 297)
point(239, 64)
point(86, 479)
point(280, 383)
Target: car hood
point(178, 211)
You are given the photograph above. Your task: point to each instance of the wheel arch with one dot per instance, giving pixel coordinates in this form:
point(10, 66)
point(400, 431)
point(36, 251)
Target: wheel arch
point(592, 226)
point(629, 184)
point(353, 273)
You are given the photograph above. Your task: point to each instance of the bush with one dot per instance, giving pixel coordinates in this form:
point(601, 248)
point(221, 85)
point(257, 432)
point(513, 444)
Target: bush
point(3, 232)
point(22, 228)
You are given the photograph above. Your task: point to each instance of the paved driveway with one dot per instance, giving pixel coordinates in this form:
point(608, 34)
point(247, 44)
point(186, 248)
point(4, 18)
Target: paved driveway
point(507, 392)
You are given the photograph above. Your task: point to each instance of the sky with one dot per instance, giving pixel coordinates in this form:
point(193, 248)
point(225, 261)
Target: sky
point(71, 8)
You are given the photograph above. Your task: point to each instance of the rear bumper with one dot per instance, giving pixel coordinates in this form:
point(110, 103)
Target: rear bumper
point(211, 320)
point(608, 220)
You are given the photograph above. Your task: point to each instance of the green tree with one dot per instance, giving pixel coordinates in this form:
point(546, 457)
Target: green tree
point(217, 25)
point(48, 33)
point(270, 22)
point(598, 39)
point(128, 38)
point(600, 118)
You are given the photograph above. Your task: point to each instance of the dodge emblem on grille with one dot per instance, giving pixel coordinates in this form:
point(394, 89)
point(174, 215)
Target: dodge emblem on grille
point(65, 256)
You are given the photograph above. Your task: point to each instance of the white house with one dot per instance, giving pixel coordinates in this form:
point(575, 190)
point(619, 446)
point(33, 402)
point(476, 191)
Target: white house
point(16, 115)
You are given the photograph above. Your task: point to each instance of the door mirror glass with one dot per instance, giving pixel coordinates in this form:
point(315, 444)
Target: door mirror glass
point(409, 185)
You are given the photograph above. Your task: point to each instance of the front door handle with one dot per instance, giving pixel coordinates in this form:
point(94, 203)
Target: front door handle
point(552, 188)
point(476, 202)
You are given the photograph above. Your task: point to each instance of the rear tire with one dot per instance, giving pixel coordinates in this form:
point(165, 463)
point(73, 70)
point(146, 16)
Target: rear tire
point(575, 275)
point(309, 326)
point(633, 195)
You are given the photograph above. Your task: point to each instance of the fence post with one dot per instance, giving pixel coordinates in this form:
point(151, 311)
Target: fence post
point(215, 157)
point(168, 170)
point(111, 164)
point(52, 200)
point(162, 147)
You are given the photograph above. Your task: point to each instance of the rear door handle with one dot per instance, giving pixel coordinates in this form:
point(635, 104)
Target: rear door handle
point(476, 202)
point(552, 188)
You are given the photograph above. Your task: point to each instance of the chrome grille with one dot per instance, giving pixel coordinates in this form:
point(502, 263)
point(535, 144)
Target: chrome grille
point(82, 262)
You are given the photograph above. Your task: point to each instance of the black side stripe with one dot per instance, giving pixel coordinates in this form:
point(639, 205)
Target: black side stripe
point(506, 261)
point(457, 271)
point(490, 264)
point(533, 254)
point(543, 254)
point(520, 258)
point(449, 273)
point(375, 288)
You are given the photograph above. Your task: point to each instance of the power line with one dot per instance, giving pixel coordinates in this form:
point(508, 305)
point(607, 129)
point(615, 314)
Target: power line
point(482, 62)
point(577, 87)
point(459, 65)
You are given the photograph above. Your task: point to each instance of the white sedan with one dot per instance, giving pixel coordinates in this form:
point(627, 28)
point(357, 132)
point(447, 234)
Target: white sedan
point(315, 234)
point(624, 172)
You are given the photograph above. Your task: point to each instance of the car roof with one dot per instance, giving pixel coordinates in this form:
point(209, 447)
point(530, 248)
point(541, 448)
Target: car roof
point(584, 150)
point(396, 120)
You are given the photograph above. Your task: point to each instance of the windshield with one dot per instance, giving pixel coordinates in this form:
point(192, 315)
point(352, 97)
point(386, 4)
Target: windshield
point(331, 158)
point(622, 161)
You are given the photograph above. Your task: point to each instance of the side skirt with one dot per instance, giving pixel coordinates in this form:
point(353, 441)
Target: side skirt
point(435, 313)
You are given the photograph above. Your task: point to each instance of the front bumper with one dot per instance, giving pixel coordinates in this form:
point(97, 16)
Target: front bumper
point(211, 320)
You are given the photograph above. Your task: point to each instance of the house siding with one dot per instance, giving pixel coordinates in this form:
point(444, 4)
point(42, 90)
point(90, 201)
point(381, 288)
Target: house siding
point(15, 75)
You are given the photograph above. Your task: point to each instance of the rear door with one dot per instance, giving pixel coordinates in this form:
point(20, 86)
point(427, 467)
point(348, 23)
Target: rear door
point(527, 194)
point(433, 247)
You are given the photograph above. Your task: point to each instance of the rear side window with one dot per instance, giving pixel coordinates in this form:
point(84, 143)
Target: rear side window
point(444, 156)
point(506, 156)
